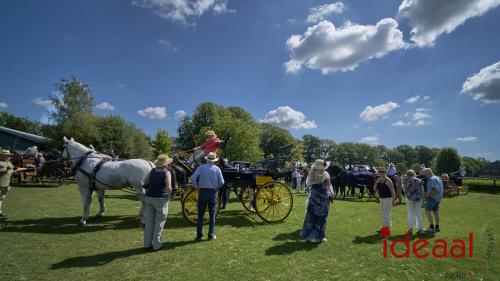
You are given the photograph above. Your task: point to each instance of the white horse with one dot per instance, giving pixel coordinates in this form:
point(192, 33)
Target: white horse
point(111, 175)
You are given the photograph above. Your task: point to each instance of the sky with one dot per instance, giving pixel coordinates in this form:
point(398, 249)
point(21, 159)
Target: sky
point(417, 72)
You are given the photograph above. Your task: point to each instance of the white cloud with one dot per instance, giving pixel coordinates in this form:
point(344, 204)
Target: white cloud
point(431, 18)
point(374, 113)
point(371, 140)
point(319, 13)
point(421, 123)
point(3, 105)
point(287, 117)
point(179, 114)
point(183, 11)
point(105, 106)
point(467, 139)
point(44, 103)
point(158, 112)
point(413, 99)
point(485, 85)
point(426, 97)
point(401, 123)
point(167, 44)
point(419, 115)
point(329, 49)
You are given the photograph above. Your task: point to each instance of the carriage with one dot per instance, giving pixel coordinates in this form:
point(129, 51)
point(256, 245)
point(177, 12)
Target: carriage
point(258, 189)
point(53, 172)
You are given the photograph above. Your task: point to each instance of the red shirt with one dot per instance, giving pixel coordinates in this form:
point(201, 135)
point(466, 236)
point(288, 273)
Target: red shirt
point(210, 145)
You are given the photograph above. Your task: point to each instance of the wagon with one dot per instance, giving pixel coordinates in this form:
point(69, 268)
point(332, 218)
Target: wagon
point(258, 190)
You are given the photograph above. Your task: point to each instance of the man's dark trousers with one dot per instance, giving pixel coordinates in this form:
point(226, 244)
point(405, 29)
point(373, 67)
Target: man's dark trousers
point(206, 196)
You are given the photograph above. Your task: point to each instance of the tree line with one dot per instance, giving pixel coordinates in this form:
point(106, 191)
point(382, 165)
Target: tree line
point(73, 116)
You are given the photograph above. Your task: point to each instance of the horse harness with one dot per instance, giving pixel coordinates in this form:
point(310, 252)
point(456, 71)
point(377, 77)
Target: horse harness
point(93, 174)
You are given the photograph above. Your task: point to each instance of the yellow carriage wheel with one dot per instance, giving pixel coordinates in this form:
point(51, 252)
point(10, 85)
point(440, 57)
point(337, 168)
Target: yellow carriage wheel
point(274, 202)
point(246, 195)
point(190, 207)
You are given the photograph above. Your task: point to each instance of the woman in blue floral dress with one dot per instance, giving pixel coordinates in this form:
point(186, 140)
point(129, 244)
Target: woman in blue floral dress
point(320, 194)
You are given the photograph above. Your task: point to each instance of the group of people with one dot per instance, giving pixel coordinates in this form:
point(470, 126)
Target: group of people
point(416, 195)
point(299, 177)
point(207, 178)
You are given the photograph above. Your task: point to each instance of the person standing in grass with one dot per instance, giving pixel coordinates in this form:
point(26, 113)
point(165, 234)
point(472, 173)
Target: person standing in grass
point(207, 179)
point(414, 196)
point(433, 197)
point(159, 189)
point(6, 170)
point(385, 189)
point(320, 196)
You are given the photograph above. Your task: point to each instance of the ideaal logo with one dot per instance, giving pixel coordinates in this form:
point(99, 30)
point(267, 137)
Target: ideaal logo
point(457, 248)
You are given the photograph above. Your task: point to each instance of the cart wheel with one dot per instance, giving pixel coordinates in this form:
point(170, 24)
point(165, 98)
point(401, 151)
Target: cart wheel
point(57, 177)
point(246, 195)
point(190, 207)
point(274, 202)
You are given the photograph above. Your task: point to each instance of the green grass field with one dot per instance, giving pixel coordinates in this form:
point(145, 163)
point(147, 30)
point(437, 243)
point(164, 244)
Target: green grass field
point(39, 241)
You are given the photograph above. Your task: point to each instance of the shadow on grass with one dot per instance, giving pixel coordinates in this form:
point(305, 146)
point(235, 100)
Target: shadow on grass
point(67, 225)
point(97, 260)
point(132, 197)
point(290, 247)
point(295, 235)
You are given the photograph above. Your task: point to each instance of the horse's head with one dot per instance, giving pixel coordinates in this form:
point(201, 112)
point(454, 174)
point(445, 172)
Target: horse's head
point(71, 149)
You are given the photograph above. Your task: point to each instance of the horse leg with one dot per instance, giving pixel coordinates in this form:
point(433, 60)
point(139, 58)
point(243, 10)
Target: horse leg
point(361, 191)
point(102, 207)
point(86, 194)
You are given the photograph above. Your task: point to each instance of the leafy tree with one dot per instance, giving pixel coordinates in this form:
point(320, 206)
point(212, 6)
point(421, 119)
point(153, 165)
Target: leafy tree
point(447, 161)
point(162, 143)
point(473, 165)
point(272, 137)
point(20, 123)
point(312, 148)
point(409, 154)
point(424, 155)
point(231, 121)
point(72, 97)
point(395, 157)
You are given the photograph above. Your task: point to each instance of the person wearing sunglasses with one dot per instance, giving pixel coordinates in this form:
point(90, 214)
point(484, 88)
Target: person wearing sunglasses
point(387, 195)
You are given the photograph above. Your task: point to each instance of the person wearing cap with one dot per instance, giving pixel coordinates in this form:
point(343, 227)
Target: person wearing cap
point(6, 170)
point(211, 143)
point(320, 196)
point(158, 185)
point(207, 179)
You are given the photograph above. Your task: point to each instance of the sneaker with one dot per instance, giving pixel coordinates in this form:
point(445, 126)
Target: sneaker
point(324, 240)
point(148, 249)
point(213, 237)
point(198, 238)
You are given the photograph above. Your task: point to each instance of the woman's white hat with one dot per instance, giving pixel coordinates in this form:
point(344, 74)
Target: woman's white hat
point(162, 161)
point(318, 164)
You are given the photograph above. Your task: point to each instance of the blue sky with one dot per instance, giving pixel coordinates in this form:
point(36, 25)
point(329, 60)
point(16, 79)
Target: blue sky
point(381, 72)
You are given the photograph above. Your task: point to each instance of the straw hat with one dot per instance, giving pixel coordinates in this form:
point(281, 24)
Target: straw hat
point(210, 133)
point(5, 152)
point(162, 161)
point(318, 164)
point(211, 157)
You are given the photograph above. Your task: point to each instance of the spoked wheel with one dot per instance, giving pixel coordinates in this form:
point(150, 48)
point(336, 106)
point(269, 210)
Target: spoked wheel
point(190, 207)
point(57, 177)
point(274, 202)
point(246, 195)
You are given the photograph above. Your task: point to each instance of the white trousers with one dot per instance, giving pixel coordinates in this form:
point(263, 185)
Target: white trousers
point(414, 211)
point(155, 215)
point(385, 211)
